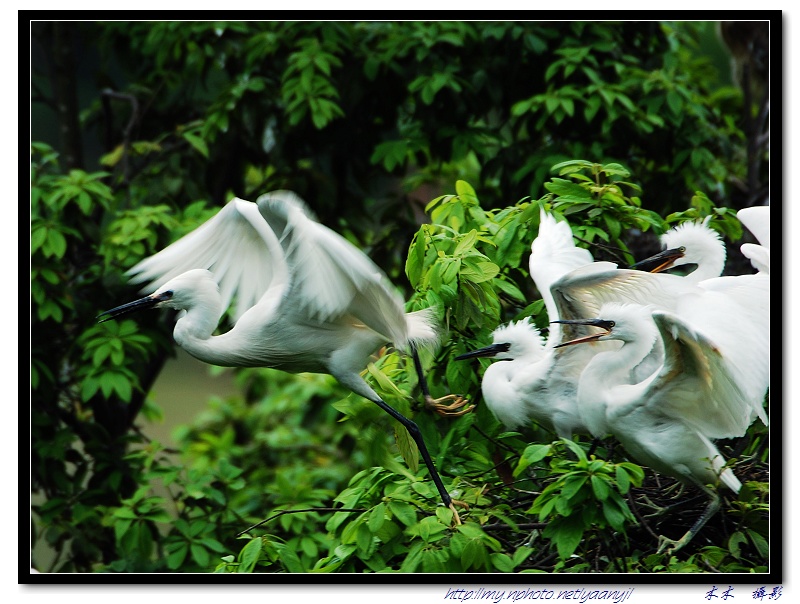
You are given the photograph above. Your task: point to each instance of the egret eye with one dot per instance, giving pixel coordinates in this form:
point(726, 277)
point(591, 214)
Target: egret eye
point(167, 294)
point(611, 323)
point(682, 249)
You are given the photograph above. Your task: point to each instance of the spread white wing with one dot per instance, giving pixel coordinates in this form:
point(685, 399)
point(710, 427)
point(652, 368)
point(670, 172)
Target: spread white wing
point(236, 245)
point(275, 246)
point(553, 255)
point(330, 277)
point(695, 383)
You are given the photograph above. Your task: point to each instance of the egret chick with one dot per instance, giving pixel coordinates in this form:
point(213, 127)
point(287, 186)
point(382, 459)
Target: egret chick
point(307, 300)
point(536, 380)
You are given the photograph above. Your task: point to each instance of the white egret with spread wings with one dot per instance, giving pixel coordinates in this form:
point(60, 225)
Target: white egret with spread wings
point(307, 300)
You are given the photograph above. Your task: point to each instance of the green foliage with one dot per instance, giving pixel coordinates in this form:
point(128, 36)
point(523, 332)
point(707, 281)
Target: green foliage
point(586, 494)
point(309, 104)
point(358, 118)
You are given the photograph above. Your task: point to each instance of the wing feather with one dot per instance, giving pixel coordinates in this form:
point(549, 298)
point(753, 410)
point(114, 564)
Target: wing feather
point(330, 276)
point(553, 255)
point(695, 369)
point(756, 219)
point(581, 293)
point(236, 245)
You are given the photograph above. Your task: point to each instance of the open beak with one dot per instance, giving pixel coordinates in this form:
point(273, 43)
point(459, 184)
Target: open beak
point(488, 351)
point(141, 304)
point(605, 325)
point(661, 261)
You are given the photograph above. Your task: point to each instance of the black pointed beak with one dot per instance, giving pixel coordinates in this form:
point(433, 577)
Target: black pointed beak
point(601, 323)
point(141, 304)
point(488, 351)
point(661, 261)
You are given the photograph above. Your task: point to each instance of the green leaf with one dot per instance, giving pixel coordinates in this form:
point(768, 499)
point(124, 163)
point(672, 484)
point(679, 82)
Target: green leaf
point(479, 271)
point(445, 515)
point(176, 557)
point(407, 447)
point(623, 481)
point(466, 243)
point(531, 454)
point(384, 382)
point(471, 554)
point(416, 259)
point(432, 561)
point(600, 488)
point(364, 539)
point(213, 544)
point(502, 562)
point(674, 102)
point(761, 544)
point(403, 511)
point(735, 542)
point(593, 104)
point(377, 517)
point(465, 191)
point(249, 555)
point(573, 484)
point(200, 555)
point(197, 142)
point(510, 289)
point(121, 528)
point(562, 187)
point(471, 530)
point(567, 534)
point(56, 244)
point(614, 515)
point(521, 554)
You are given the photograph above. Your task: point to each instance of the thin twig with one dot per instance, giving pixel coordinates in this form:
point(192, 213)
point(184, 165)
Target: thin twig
point(504, 526)
point(282, 512)
point(126, 134)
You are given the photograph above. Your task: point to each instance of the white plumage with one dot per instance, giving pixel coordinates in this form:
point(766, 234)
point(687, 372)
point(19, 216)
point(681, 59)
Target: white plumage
point(535, 380)
point(307, 300)
point(668, 420)
point(756, 219)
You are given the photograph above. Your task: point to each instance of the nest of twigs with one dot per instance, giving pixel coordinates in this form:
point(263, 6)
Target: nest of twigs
point(661, 505)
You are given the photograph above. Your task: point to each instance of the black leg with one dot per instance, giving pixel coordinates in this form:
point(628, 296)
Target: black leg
point(413, 430)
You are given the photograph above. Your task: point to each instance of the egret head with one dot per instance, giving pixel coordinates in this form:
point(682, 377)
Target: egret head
point(691, 245)
point(182, 292)
point(622, 322)
point(511, 341)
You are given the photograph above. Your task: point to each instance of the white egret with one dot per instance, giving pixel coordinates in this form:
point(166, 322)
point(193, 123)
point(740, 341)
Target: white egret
point(695, 243)
point(538, 381)
point(690, 243)
point(307, 300)
point(714, 304)
point(668, 420)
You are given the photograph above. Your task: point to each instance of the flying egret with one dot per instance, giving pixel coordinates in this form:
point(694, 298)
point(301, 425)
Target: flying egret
point(538, 381)
point(668, 420)
point(307, 300)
